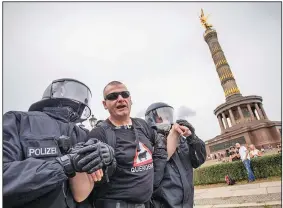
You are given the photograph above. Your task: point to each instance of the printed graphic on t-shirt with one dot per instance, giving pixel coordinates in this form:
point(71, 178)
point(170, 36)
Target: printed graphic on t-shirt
point(143, 159)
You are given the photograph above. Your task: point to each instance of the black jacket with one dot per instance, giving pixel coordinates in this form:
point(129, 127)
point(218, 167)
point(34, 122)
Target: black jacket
point(176, 189)
point(31, 175)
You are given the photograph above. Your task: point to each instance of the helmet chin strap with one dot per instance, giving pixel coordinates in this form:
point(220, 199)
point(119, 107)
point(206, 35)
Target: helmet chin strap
point(72, 114)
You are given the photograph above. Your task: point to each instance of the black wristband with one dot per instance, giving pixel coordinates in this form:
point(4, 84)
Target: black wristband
point(65, 161)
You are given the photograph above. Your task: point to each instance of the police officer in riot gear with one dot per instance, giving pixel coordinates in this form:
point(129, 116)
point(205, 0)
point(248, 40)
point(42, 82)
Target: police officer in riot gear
point(160, 117)
point(41, 148)
point(175, 189)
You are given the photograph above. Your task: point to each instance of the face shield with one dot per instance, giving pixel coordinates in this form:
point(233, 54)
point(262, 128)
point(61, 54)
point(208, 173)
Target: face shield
point(75, 91)
point(162, 118)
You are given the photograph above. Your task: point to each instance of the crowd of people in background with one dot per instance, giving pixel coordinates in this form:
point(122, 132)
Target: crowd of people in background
point(279, 149)
point(244, 153)
point(232, 154)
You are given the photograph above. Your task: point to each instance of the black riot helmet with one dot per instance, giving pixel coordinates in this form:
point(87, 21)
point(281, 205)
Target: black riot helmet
point(66, 93)
point(160, 116)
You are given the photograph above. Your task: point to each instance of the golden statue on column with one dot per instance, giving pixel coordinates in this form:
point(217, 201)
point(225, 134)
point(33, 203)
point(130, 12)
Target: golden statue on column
point(203, 20)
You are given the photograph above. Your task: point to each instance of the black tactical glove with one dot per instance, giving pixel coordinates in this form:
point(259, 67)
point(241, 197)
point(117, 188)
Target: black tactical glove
point(95, 155)
point(185, 123)
point(70, 161)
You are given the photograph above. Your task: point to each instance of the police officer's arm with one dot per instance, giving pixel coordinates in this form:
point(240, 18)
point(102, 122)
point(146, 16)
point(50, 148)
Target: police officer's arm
point(25, 180)
point(194, 149)
point(197, 151)
point(159, 157)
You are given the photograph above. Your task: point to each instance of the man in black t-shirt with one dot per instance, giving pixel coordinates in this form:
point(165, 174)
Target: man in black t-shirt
point(133, 177)
point(139, 152)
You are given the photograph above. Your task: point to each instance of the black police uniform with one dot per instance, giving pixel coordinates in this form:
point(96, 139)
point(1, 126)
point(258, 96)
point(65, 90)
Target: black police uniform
point(175, 188)
point(36, 165)
point(31, 175)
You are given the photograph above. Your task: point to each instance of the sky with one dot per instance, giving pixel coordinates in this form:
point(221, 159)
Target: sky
point(156, 48)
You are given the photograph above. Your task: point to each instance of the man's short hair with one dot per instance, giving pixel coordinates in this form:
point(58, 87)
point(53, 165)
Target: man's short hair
point(112, 83)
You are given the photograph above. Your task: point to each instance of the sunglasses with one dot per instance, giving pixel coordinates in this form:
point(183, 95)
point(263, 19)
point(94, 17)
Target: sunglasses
point(115, 95)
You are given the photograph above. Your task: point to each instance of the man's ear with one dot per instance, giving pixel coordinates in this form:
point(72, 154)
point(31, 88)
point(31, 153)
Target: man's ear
point(104, 104)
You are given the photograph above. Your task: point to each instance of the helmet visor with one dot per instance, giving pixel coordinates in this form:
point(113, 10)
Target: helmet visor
point(75, 91)
point(86, 113)
point(161, 116)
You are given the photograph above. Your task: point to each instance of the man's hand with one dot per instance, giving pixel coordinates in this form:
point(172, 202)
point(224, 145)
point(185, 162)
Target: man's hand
point(176, 129)
point(183, 122)
point(188, 125)
point(97, 175)
point(186, 131)
point(181, 130)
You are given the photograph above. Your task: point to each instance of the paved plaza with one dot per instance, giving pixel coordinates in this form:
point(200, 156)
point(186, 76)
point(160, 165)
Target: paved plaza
point(266, 194)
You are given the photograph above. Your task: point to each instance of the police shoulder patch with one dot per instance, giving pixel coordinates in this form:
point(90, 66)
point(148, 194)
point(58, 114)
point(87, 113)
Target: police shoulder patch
point(38, 152)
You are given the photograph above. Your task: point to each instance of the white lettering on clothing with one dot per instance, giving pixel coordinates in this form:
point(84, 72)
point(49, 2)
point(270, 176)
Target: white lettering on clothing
point(42, 151)
point(141, 168)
